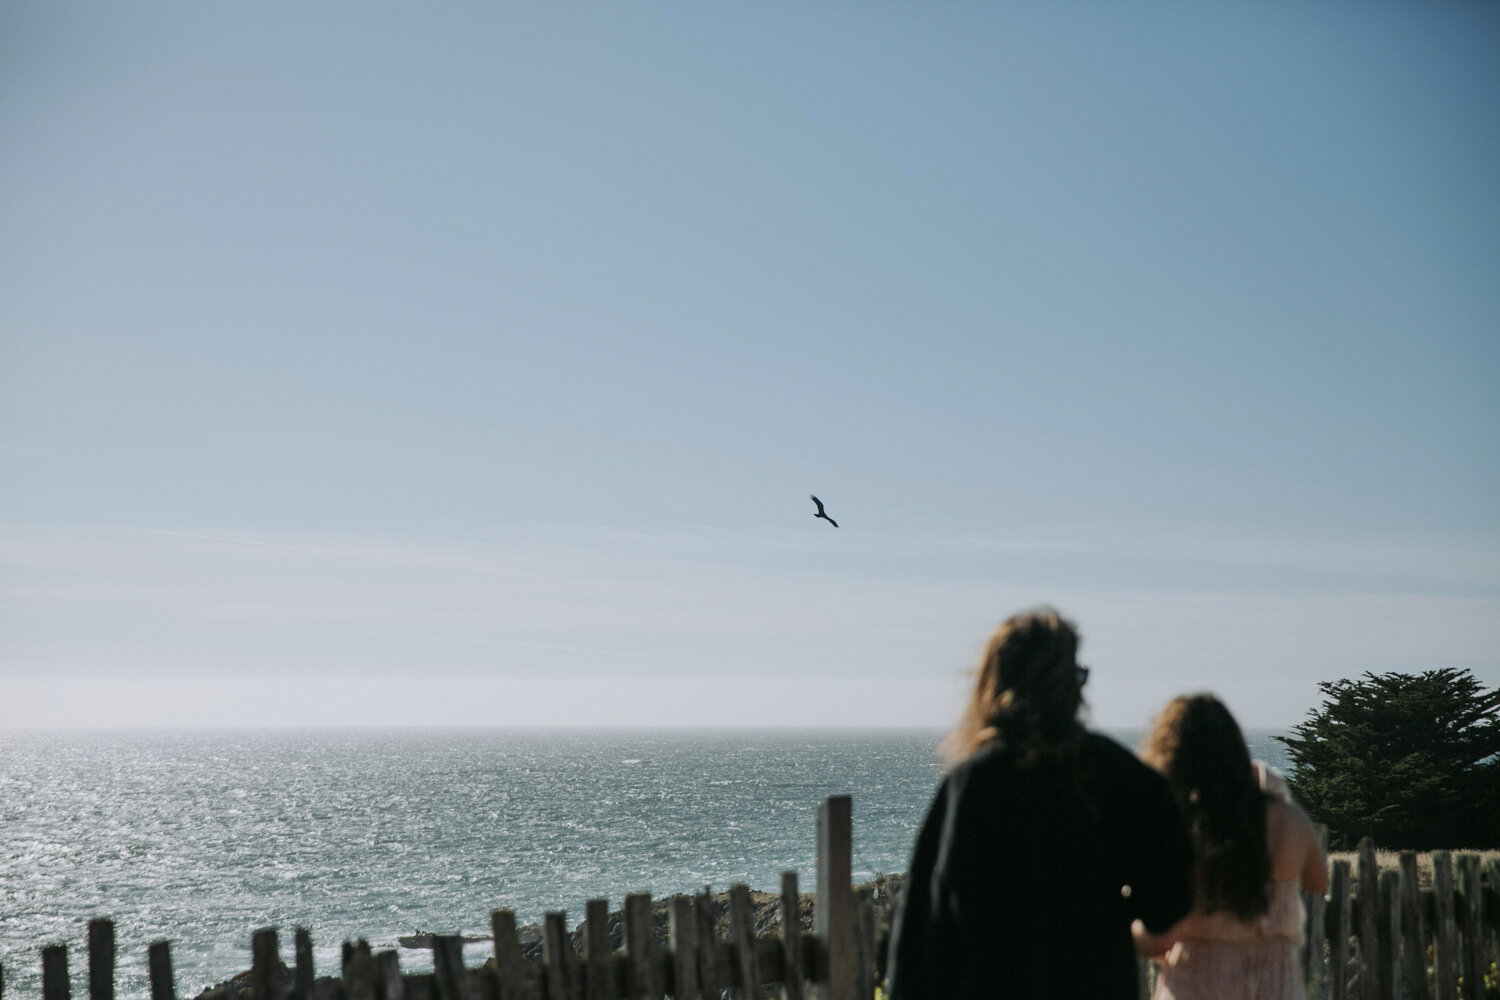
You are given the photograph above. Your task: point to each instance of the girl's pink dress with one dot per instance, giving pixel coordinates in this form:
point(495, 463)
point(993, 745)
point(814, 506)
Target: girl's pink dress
point(1218, 957)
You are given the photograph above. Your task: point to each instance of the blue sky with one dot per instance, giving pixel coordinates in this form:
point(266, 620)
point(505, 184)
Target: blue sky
point(376, 363)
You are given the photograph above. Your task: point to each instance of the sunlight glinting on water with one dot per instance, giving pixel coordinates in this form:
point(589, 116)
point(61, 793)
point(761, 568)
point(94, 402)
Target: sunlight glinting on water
point(202, 837)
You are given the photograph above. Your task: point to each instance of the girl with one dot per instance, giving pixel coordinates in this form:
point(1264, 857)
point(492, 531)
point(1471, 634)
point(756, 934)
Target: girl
point(1256, 849)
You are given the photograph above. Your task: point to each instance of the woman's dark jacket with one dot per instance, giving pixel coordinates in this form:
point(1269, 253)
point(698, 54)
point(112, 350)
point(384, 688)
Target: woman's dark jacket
point(1025, 879)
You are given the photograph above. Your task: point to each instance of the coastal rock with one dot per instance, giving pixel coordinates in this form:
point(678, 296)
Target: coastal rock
point(242, 986)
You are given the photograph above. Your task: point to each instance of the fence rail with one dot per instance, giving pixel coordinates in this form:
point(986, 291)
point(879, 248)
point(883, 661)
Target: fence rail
point(1388, 940)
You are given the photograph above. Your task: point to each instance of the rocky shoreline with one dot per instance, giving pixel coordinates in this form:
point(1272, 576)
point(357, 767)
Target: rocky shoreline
point(884, 891)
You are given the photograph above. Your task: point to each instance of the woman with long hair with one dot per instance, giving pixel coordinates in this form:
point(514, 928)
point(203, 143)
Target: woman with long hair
point(1044, 841)
point(1256, 849)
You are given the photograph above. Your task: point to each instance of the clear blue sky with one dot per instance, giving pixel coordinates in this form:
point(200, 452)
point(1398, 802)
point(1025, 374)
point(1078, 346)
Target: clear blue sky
point(473, 363)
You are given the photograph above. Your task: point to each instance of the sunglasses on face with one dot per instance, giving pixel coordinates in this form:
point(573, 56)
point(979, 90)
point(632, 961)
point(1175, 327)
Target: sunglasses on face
point(1083, 675)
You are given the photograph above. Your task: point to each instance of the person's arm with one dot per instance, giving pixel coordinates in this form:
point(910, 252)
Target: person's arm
point(1160, 862)
point(917, 963)
point(1151, 945)
point(1314, 862)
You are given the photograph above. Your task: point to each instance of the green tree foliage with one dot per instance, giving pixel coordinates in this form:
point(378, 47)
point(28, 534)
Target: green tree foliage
point(1409, 759)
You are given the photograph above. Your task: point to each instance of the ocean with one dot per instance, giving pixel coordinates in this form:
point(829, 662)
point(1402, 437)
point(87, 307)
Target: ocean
point(203, 836)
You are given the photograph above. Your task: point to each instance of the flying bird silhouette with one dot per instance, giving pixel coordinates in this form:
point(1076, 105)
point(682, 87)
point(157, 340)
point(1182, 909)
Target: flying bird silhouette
point(820, 512)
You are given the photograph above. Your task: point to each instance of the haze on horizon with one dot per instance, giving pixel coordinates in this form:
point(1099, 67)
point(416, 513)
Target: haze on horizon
point(472, 366)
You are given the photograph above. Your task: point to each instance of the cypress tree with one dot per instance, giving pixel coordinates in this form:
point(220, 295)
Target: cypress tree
point(1412, 760)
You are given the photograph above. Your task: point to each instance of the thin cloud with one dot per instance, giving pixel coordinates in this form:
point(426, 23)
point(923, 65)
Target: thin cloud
point(137, 603)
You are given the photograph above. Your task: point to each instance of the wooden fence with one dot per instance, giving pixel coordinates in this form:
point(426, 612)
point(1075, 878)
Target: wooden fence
point(1390, 939)
point(1394, 939)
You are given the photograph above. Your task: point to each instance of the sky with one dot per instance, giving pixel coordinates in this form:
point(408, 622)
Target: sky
point(472, 364)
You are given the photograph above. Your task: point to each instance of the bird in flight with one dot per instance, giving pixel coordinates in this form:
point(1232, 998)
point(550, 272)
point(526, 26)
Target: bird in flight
point(820, 512)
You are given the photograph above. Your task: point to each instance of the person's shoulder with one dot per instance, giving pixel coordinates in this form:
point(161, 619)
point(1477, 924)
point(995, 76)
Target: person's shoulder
point(1271, 781)
point(1286, 817)
point(984, 762)
point(1102, 749)
point(1117, 764)
point(1292, 839)
point(990, 770)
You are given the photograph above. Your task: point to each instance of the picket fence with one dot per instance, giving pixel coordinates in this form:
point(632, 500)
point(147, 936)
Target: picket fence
point(1391, 939)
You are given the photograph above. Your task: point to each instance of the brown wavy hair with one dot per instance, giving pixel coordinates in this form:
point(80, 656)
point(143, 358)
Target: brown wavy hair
point(1027, 691)
point(1197, 744)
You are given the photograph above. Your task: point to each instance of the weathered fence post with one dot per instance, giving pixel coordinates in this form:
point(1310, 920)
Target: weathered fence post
point(1338, 937)
point(1390, 935)
point(448, 972)
point(1445, 927)
point(302, 978)
point(509, 971)
point(639, 945)
point(864, 943)
point(55, 984)
point(101, 960)
point(1369, 923)
point(834, 910)
point(598, 976)
point(1312, 943)
point(388, 982)
point(1413, 931)
point(682, 932)
point(742, 935)
point(1313, 928)
point(359, 972)
point(264, 957)
point(557, 956)
point(1472, 925)
point(791, 937)
point(159, 960)
point(710, 980)
point(1492, 905)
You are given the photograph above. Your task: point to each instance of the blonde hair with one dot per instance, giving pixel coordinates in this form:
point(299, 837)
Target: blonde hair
point(1159, 748)
point(1026, 692)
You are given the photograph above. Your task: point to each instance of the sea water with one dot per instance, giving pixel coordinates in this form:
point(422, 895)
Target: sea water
point(202, 837)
